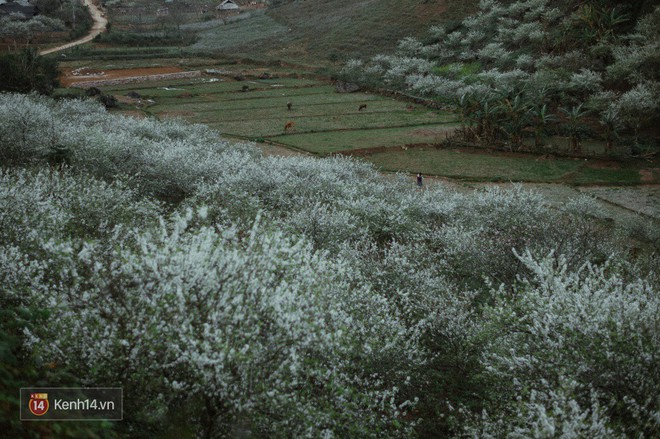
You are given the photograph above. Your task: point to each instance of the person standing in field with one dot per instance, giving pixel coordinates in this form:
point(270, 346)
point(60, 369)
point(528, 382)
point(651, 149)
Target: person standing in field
point(419, 179)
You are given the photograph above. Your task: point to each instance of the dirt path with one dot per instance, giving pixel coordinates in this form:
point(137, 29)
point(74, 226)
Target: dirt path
point(97, 28)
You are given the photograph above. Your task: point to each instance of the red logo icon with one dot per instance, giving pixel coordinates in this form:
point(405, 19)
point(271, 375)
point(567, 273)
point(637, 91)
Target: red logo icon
point(38, 404)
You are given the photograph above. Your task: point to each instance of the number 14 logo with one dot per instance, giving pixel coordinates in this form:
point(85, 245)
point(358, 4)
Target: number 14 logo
point(38, 404)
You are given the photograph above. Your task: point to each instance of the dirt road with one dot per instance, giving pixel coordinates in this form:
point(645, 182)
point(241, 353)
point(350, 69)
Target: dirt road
point(98, 27)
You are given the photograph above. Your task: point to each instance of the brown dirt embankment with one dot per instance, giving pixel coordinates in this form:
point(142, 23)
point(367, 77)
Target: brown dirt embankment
point(84, 77)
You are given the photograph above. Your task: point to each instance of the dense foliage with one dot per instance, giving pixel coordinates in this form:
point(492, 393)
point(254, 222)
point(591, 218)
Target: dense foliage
point(54, 15)
point(298, 297)
point(74, 14)
point(520, 71)
point(23, 32)
point(26, 71)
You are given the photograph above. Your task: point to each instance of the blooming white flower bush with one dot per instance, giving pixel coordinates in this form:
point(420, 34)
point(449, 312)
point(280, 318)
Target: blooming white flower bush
point(20, 30)
point(637, 104)
point(638, 49)
point(26, 127)
point(547, 414)
point(586, 326)
point(293, 296)
point(561, 55)
point(586, 81)
point(256, 325)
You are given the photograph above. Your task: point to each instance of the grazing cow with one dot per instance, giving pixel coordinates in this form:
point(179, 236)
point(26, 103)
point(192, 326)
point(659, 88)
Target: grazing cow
point(289, 125)
point(289, 105)
point(245, 88)
point(362, 107)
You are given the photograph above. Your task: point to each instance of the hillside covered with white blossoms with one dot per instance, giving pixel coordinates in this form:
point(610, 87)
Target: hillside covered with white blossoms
point(235, 294)
point(520, 72)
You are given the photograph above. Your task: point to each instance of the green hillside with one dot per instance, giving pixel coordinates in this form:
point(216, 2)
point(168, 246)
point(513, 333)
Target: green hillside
point(520, 73)
point(321, 31)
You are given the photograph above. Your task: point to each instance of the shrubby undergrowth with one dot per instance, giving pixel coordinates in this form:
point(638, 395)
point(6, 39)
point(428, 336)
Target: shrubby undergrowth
point(298, 297)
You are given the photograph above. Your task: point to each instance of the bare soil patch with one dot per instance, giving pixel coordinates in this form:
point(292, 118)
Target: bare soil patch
point(85, 74)
point(127, 100)
point(603, 164)
point(435, 8)
point(434, 133)
point(646, 175)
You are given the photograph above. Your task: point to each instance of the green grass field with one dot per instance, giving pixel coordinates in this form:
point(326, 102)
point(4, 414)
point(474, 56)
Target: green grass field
point(334, 142)
point(391, 133)
point(479, 166)
point(261, 112)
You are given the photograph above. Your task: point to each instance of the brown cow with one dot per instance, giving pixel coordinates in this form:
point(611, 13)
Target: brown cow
point(362, 107)
point(289, 105)
point(289, 125)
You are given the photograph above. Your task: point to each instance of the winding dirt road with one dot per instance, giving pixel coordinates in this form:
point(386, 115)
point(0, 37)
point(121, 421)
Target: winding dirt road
point(97, 28)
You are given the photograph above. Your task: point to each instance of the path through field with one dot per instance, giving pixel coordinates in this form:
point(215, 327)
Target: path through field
point(98, 27)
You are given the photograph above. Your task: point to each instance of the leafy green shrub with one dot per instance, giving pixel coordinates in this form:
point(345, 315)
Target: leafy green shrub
point(26, 71)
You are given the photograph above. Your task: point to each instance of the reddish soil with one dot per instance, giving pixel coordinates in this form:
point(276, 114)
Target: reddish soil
point(603, 164)
point(84, 74)
point(431, 9)
point(425, 132)
point(646, 176)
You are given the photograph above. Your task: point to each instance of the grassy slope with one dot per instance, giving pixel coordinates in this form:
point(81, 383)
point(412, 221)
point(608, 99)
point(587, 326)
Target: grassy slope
point(319, 31)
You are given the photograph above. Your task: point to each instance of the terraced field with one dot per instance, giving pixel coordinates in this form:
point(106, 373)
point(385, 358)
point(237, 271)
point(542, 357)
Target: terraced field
point(324, 121)
point(393, 134)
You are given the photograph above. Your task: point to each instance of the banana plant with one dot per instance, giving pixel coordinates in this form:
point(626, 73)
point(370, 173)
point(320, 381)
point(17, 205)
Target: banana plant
point(467, 108)
point(574, 116)
point(542, 117)
point(599, 21)
point(486, 117)
point(612, 124)
point(515, 113)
